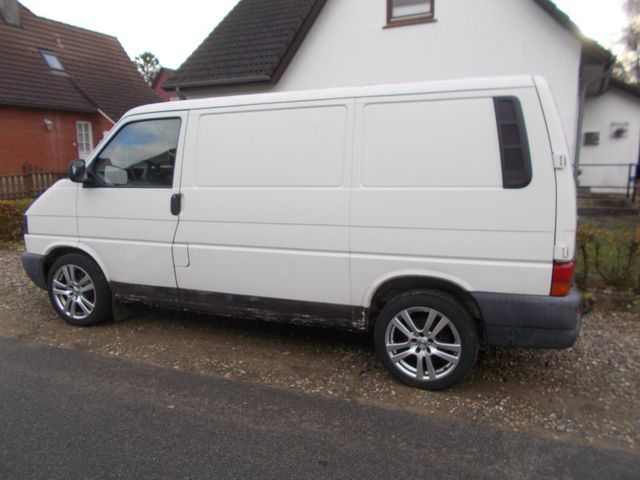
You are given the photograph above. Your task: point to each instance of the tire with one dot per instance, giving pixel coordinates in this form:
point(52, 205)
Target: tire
point(78, 290)
point(427, 340)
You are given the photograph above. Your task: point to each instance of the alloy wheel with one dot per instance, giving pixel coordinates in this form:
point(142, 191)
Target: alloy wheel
point(74, 292)
point(423, 343)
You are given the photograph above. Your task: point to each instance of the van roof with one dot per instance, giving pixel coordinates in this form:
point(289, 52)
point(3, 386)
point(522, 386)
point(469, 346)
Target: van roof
point(343, 92)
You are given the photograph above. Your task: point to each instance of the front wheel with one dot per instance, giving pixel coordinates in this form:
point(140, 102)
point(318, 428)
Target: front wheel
point(78, 290)
point(426, 340)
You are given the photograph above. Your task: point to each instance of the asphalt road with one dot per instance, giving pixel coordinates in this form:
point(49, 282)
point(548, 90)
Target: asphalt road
point(67, 414)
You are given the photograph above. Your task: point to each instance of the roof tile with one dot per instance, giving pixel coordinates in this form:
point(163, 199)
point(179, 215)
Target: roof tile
point(98, 74)
point(249, 45)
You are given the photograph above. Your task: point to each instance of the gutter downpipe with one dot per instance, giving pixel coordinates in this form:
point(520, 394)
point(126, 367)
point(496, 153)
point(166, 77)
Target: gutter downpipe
point(583, 98)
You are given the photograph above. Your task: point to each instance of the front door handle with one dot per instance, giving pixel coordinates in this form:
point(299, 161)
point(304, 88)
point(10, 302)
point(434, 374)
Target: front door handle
point(176, 203)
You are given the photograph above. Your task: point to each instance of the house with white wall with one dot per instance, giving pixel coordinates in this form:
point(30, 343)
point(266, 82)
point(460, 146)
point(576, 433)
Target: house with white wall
point(611, 139)
point(276, 45)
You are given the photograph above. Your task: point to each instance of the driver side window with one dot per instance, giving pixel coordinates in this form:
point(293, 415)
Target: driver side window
point(141, 155)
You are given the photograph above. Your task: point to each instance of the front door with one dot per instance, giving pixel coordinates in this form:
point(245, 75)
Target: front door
point(124, 216)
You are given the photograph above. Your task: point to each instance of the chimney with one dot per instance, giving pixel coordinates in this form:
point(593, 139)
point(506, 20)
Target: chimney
point(9, 12)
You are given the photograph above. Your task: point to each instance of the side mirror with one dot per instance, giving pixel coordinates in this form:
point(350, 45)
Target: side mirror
point(77, 171)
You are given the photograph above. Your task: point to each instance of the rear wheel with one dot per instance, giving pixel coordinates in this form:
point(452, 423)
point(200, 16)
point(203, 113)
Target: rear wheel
point(427, 340)
point(78, 290)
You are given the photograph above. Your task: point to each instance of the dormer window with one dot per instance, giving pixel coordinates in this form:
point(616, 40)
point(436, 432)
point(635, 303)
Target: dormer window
point(52, 60)
point(409, 12)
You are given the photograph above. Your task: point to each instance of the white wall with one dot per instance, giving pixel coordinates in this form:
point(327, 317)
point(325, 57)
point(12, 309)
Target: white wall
point(348, 46)
point(600, 112)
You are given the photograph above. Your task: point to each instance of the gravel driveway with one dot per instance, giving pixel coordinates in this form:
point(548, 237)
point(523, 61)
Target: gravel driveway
point(589, 393)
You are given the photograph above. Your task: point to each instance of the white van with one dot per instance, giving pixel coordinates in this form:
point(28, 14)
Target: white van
point(439, 216)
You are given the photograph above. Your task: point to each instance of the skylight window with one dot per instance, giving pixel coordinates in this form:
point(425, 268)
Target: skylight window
point(52, 60)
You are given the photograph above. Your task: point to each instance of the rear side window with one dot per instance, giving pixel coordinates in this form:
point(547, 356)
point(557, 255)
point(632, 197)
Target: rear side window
point(141, 155)
point(514, 145)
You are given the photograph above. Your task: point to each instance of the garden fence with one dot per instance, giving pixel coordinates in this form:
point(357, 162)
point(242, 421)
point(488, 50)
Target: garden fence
point(27, 184)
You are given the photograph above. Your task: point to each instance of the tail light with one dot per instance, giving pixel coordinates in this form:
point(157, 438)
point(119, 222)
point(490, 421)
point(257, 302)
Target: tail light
point(25, 225)
point(562, 278)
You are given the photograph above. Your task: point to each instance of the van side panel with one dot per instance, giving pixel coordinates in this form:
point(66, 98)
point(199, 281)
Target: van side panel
point(566, 217)
point(428, 197)
point(266, 202)
point(52, 219)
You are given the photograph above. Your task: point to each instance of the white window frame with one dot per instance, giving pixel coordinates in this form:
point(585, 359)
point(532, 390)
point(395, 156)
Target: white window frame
point(84, 138)
point(410, 18)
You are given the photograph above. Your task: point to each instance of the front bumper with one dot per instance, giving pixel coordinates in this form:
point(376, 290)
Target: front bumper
point(530, 321)
point(33, 266)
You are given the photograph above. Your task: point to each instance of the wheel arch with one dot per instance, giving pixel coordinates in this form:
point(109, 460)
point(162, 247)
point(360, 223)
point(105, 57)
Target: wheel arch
point(58, 251)
point(391, 287)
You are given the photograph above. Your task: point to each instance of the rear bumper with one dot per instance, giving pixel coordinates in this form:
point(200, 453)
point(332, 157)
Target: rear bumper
point(530, 321)
point(33, 266)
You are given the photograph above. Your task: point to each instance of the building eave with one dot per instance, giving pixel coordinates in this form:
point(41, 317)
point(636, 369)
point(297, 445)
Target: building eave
point(218, 82)
point(44, 106)
point(625, 87)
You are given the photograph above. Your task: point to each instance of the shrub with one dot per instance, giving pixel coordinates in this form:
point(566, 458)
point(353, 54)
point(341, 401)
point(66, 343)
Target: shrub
point(585, 237)
point(11, 212)
point(608, 257)
point(636, 283)
point(616, 254)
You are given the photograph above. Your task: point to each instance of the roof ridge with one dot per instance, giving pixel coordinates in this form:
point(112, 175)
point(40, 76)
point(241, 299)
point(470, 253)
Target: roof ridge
point(75, 27)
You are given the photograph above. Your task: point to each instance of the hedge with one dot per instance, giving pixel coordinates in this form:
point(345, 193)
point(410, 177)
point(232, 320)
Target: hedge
point(608, 256)
point(11, 212)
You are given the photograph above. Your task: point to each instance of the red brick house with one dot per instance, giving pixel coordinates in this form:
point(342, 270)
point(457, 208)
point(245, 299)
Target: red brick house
point(159, 81)
point(61, 88)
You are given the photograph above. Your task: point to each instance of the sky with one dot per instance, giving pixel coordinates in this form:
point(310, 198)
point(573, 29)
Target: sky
point(601, 20)
point(169, 30)
point(173, 33)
